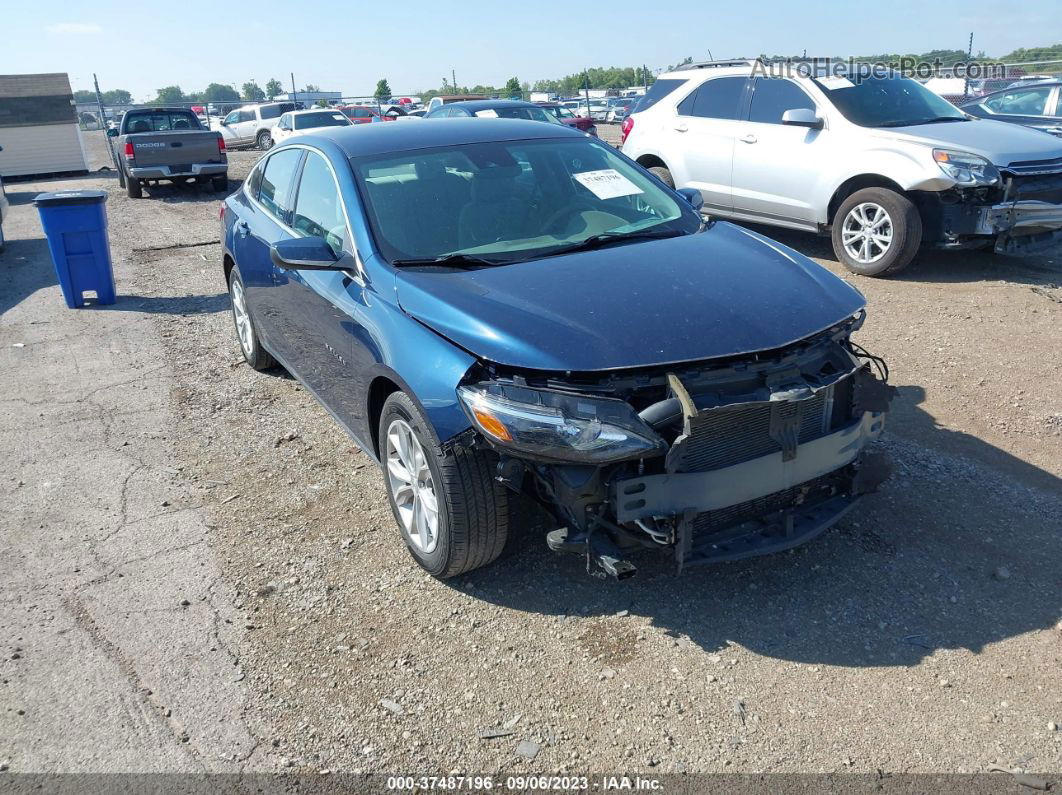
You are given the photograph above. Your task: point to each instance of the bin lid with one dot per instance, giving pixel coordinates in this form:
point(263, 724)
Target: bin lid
point(63, 197)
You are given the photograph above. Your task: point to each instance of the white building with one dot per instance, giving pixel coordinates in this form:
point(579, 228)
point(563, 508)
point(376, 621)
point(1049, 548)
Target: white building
point(38, 126)
point(309, 96)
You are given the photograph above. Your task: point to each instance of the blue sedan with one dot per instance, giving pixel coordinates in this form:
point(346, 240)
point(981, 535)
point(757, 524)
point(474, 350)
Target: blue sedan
point(490, 307)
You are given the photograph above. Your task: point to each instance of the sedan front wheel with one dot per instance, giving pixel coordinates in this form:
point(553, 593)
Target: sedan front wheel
point(451, 512)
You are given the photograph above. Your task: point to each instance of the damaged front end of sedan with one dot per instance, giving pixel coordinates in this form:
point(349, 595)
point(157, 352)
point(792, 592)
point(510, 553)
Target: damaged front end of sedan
point(707, 461)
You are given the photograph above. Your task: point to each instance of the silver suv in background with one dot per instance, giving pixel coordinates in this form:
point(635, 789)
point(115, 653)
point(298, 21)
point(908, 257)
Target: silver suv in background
point(252, 125)
point(879, 162)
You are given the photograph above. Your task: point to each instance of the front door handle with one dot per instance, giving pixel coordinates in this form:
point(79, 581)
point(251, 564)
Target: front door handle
point(748, 139)
point(242, 229)
point(681, 127)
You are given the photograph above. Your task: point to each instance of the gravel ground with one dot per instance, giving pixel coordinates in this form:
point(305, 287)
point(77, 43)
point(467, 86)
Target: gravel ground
point(923, 634)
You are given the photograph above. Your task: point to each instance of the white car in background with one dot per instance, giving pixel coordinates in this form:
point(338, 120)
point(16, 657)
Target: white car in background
point(300, 122)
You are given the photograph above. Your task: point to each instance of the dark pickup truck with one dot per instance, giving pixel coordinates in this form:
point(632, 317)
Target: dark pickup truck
point(156, 144)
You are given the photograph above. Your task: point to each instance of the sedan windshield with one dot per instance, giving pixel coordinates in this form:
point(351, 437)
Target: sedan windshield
point(326, 118)
point(508, 201)
point(887, 101)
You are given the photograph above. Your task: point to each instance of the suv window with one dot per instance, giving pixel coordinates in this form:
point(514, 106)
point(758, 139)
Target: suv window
point(1022, 102)
point(718, 98)
point(318, 210)
point(232, 118)
point(277, 176)
point(246, 115)
point(657, 91)
point(271, 111)
point(774, 96)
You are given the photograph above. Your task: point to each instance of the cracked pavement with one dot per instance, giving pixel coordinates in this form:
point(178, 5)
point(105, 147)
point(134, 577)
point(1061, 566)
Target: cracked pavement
point(117, 648)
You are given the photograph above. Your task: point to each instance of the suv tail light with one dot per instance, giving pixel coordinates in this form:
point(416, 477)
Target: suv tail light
point(128, 150)
point(628, 125)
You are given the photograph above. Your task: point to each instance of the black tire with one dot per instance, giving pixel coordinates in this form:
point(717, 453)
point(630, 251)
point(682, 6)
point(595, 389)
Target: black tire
point(121, 178)
point(662, 174)
point(264, 140)
point(132, 188)
point(906, 226)
point(254, 354)
point(221, 184)
point(473, 515)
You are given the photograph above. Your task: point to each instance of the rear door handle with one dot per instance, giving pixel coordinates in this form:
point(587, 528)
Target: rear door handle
point(748, 139)
point(681, 127)
point(242, 228)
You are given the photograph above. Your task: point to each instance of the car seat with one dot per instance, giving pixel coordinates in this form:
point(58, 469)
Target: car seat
point(494, 212)
point(140, 126)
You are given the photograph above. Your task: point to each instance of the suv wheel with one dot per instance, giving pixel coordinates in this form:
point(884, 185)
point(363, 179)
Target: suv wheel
point(663, 175)
point(452, 513)
point(876, 232)
point(264, 140)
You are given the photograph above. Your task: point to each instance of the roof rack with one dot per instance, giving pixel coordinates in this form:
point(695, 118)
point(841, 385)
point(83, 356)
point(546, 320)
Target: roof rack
point(716, 64)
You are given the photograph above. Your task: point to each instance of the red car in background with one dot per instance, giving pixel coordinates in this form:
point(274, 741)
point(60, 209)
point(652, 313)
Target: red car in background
point(363, 114)
point(565, 116)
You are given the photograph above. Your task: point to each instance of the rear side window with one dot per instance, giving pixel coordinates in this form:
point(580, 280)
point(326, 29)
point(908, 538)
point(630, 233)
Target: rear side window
point(719, 98)
point(277, 176)
point(246, 115)
point(774, 96)
point(657, 91)
point(254, 182)
point(271, 111)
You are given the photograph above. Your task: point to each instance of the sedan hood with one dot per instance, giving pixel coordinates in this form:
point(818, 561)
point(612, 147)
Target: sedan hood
point(1000, 142)
point(724, 292)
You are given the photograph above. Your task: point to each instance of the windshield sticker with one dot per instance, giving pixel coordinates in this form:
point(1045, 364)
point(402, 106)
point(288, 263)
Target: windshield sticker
point(836, 82)
point(487, 114)
point(607, 183)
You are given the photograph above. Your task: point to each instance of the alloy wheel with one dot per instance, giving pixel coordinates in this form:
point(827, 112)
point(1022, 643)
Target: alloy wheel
point(412, 486)
point(867, 232)
point(244, 330)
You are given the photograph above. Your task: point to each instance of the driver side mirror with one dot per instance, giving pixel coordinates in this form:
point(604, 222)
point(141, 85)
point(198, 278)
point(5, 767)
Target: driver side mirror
point(693, 196)
point(304, 253)
point(112, 132)
point(802, 117)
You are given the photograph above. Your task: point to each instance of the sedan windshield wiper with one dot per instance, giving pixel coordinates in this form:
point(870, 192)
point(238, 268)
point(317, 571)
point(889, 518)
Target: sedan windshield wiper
point(916, 122)
point(607, 238)
point(448, 261)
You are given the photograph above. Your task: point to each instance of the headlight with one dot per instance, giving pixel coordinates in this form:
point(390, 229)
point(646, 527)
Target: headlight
point(966, 168)
point(560, 426)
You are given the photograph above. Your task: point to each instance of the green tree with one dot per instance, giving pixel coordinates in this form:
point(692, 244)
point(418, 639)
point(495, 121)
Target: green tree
point(273, 87)
point(252, 91)
point(383, 90)
point(84, 96)
point(169, 95)
point(218, 92)
point(118, 96)
point(312, 87)
point(512, 87)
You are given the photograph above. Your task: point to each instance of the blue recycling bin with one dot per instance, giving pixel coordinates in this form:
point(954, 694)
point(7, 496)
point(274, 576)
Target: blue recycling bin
point(75, 223)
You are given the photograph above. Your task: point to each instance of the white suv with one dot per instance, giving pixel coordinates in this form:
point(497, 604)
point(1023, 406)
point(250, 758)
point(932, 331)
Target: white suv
point(878, 161)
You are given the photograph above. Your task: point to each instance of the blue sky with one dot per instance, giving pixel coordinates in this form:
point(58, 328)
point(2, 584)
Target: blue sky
point(348, 46)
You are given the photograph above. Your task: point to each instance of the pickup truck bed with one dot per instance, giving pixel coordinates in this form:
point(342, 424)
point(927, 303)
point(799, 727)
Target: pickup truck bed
point(169, 144)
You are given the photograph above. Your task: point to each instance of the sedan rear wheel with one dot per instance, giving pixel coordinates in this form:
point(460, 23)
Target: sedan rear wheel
point(257, 356)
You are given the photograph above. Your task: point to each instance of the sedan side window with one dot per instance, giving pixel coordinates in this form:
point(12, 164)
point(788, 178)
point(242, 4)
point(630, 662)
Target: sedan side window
point(318, 209)
point(277, 178)
point(718, 98)
point(1022, 102)
point(774, 96)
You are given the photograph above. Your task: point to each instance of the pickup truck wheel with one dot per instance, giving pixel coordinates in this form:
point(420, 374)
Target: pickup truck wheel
point(221, 184)
point(663, 175)
point(121, 178)
point(257, 356)
point(452, 513)
point(264, 140)
point(132, 188)
point(876, 232)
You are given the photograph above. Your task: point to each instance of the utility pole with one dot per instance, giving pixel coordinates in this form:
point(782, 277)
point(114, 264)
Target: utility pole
point(969, 55)
point(453, 77)
point(293, 97)
point(586, 89)
point(103, 120)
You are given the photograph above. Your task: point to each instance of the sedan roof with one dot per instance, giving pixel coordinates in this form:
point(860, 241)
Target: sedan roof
point(374, 139)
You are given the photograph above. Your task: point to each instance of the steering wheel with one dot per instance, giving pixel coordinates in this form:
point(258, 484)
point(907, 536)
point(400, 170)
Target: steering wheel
point(566, 212)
